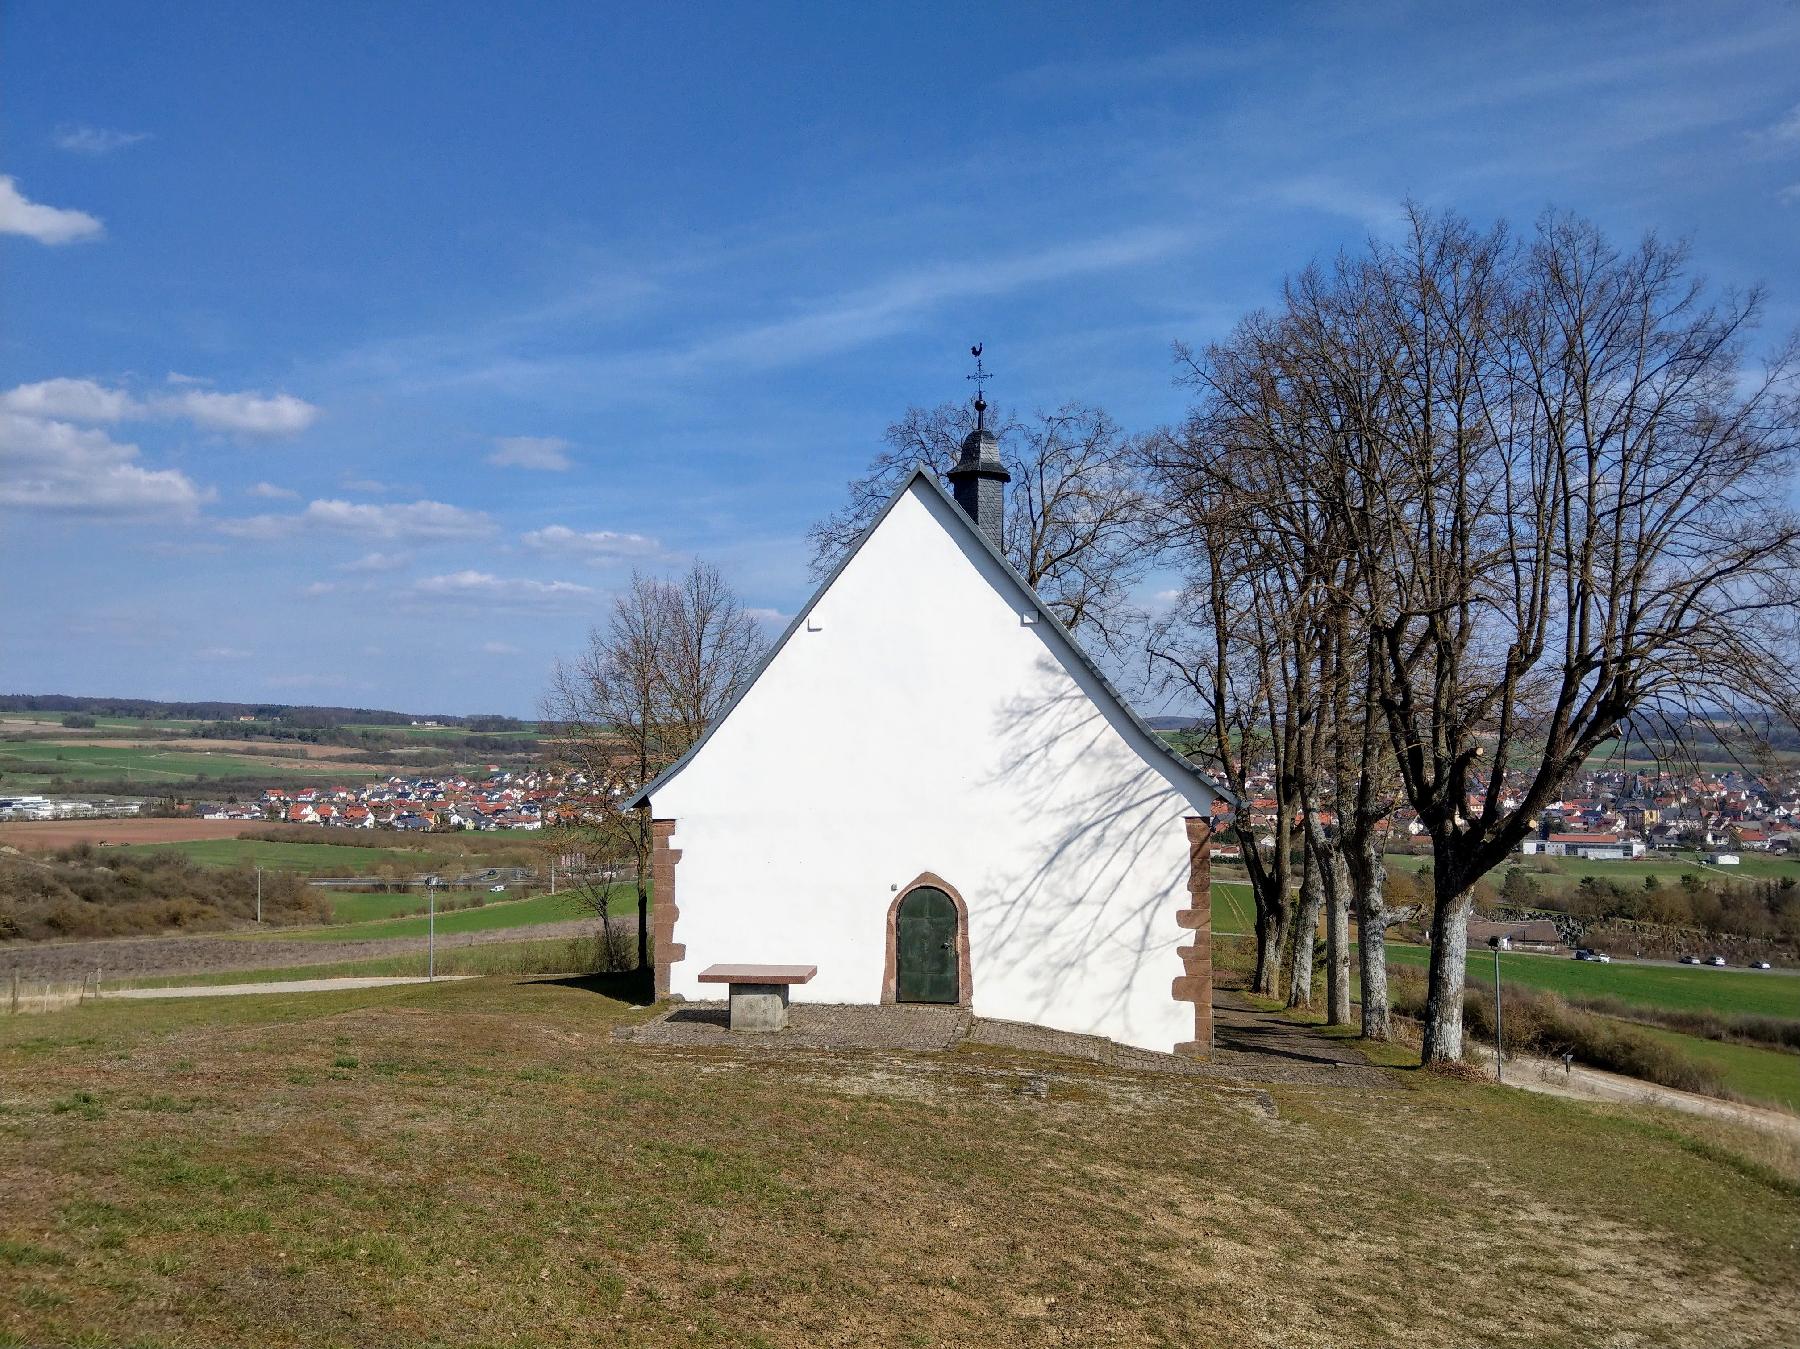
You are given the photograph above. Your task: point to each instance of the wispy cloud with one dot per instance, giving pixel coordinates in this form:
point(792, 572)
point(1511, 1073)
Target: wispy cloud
point(94, 140)
point(376, 562)
point(596, 546)
point(485, 589)
point(419, 520)
point(545, 453)
point(270, 492)
point(499, 649)
point(51, 225)
point(223, 653)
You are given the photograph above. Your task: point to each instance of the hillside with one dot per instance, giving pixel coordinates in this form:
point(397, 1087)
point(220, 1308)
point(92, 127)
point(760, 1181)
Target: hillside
point(481, 1163)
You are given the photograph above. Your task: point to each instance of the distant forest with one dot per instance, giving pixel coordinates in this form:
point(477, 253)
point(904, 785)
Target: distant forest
point(315, 718)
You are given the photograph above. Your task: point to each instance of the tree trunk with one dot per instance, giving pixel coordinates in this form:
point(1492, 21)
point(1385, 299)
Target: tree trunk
point(1367, 875)
point(1451, 907)
point(1306, 932)
point(1337, 935)
point(1267, 952)
point(1269, 959)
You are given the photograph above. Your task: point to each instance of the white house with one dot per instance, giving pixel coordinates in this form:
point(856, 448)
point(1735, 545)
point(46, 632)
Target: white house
point(930, 793)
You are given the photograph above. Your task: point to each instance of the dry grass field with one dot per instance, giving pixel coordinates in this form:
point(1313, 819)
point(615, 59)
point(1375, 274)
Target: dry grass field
point(41, 835)
point(480, 1164)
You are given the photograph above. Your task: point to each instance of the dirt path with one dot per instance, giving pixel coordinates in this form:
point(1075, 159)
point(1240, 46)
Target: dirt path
point(1591, 1084)
point(140, 957)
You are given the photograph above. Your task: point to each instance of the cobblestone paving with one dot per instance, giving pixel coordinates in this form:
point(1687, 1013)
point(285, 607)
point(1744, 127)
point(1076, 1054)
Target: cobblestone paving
point(1251, 1046)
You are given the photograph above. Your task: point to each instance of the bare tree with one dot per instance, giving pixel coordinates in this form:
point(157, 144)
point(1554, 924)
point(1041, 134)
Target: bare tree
point(1573, 518)
point(1076, 517)
point(670, 660)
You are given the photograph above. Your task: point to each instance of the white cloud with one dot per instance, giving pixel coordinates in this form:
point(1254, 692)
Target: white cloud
point(768, 615)
point(224, 653)
point(269, 491)
point(597, 546)
point(1789, 194)
point(480, 587)
point(546, 453)
point(367, 486)
point(247, 414)
point(56, 466)
point(94, 140)
point(500, 648)
point(76, 400)
point(84, 400)
point(318, 588)
point(47, 224)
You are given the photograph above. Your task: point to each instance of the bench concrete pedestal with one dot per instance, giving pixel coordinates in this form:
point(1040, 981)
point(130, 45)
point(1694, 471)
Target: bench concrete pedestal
point(758, 993)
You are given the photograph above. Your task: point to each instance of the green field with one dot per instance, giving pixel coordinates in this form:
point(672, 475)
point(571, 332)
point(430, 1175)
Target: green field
point(501, 914)
point(1233, 909)
point(22, 764)
point(1558, 873)
point(1756, 1074)
point(321, 859)
point(350, 907)
point(1677, 987)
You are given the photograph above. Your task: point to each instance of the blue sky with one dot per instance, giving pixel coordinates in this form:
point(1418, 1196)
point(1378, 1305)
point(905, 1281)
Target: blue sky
point(354, 354)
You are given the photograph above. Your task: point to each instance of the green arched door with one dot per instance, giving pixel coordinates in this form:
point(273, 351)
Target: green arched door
point(925, 947)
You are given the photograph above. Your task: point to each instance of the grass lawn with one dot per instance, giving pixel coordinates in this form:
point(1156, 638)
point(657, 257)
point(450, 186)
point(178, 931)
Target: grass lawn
point(1688, 988)
point(422, 1165)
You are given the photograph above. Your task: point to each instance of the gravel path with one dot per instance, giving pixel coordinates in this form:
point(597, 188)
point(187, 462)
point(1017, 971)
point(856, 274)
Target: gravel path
point(1591, 1084)
point(140, 957)
point(282, 986)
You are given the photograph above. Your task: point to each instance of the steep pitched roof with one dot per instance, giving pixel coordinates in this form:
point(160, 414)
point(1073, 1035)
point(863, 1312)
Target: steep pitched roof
point(920, 473)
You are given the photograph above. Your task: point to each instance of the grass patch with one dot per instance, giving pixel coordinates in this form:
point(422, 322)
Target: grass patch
point(318, 859)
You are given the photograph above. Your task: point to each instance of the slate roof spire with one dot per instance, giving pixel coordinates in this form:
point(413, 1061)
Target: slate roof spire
point(979, 479)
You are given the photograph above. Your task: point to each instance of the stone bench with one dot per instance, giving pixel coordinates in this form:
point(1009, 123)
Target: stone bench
point(759, 993)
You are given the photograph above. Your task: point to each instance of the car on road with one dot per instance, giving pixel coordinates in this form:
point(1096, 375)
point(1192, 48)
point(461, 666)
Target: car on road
point(496, 889)
point(1690, 960)
point(1759, 964)
point(1718, 961)
point(1583, 953)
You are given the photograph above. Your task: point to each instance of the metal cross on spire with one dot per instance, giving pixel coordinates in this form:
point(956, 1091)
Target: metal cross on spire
point(980, 377)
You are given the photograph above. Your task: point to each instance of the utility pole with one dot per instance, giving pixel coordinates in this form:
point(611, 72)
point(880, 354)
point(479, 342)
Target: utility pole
point(259, 894)
point(1499, 1026)
point(552, 875)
